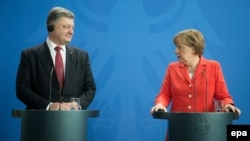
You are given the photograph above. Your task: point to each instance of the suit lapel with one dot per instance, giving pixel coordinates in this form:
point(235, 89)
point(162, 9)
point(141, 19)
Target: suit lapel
point(70, 64)
point(201, 68)
point(184, 72)
point(45, 58)
point(47, 63)
point(199, 71)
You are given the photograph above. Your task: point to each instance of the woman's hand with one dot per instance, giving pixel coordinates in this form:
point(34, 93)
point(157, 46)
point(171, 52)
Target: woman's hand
point(231, 108)
point(158, 107)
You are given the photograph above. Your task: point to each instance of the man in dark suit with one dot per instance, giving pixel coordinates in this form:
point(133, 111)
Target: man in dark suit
point(40, 84)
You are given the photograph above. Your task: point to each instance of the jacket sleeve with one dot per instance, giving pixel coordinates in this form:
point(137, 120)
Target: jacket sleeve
point(89, 87)
point(221, 90)
point(24, 85)
point(164, 96)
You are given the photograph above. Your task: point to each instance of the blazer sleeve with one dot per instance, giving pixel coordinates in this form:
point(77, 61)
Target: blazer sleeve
point(164, 96)
point(24, 85)
point(89, 87)
point(221, 90)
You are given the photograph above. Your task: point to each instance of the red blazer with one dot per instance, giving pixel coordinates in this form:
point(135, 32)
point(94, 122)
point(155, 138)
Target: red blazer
point(196, 94)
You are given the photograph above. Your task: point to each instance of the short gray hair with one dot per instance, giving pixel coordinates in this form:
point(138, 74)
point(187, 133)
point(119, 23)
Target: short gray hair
point(58, 12)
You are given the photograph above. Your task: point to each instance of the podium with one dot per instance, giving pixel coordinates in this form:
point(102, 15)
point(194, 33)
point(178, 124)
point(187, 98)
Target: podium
point(38, 125)
point(197, 126)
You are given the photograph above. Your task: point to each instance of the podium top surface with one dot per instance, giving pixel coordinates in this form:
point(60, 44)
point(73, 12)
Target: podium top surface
point(86, 113)
point(171, 115)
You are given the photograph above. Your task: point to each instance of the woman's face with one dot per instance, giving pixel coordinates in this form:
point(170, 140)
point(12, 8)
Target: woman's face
point(185, 54)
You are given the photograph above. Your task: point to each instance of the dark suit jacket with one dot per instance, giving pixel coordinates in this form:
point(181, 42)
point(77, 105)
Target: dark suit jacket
point(37, 84)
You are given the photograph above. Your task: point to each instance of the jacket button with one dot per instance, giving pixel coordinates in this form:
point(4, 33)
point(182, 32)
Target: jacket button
point(190, 95)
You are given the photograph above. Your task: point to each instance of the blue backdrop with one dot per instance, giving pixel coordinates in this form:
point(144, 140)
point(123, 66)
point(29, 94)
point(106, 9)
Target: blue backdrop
point(130, 46)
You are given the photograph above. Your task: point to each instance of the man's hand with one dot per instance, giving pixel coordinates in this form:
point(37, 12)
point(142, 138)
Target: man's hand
point(64, 106)
point(54, 106)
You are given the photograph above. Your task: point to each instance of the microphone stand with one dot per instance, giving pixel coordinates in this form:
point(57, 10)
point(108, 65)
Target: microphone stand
point(204, 73)
point(50, 83)
point(60, 98)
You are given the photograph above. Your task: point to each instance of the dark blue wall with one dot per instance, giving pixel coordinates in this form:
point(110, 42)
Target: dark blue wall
point(130, 45)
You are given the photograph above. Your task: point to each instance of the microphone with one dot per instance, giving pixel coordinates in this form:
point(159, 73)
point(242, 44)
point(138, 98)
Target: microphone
point(194, 97)
point(204, 73)
point(60, 98)
point(50, 83)
point(50, 88)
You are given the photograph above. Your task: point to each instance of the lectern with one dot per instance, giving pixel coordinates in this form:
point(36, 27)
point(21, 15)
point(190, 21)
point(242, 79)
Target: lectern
point(197, 126)
point(38, 125)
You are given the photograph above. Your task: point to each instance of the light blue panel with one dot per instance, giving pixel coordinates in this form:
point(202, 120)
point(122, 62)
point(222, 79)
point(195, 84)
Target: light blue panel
point(130, 46)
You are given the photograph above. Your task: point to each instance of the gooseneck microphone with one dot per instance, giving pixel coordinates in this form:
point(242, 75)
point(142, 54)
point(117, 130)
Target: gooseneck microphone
point(50, 88)
point(60, 98)
point(204, 73)
point(195, 104)
point(50, 83)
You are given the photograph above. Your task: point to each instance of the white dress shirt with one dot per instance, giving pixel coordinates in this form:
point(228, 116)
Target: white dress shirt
point(52, 46)
point(52, 50)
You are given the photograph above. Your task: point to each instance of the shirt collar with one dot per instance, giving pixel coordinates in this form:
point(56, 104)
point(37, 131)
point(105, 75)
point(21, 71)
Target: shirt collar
point(52, 45)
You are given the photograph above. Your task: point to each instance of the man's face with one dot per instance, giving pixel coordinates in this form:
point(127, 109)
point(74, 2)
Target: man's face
point(63, 31)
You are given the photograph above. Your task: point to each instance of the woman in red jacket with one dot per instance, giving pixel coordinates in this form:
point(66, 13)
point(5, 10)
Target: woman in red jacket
point(193, 83)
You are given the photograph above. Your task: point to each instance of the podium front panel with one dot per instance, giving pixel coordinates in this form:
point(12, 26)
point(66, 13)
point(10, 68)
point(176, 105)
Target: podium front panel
point(55, 125)
point(197, 126)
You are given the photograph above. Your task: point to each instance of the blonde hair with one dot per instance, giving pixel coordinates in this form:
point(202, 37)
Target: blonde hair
point(192, 38)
